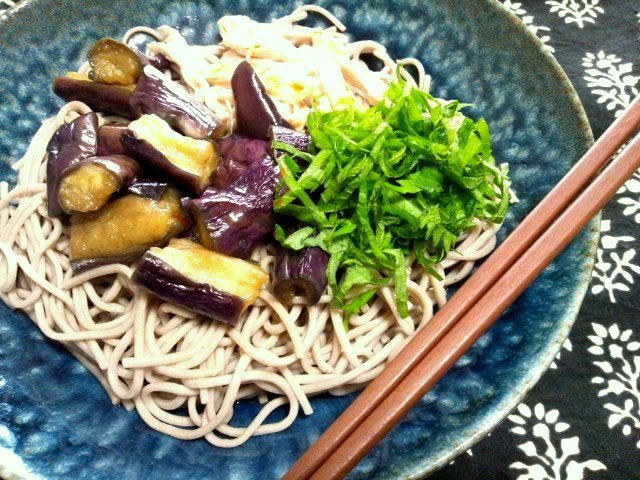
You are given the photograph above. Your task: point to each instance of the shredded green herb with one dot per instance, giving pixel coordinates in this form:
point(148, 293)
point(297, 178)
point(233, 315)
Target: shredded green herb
point(408, 175)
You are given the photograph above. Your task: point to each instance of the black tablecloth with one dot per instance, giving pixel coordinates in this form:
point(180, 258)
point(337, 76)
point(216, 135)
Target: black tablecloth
point(583, 419)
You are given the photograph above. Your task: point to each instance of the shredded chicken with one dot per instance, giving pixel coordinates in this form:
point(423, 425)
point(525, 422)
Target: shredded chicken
point(301, 67)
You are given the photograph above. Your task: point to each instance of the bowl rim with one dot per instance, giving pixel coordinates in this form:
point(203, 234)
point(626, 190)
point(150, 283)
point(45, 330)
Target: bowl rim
point(570, 315)
point(422, 469)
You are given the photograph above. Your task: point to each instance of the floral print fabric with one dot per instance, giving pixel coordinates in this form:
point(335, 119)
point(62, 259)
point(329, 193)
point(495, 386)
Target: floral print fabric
point(582, 421)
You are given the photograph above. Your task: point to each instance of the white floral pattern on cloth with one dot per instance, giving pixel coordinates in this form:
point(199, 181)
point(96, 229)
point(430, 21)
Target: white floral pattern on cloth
point(629, 196)
point(579, 12)
point(551, 453)
point(539, 31)
point(566, 345)
point(614, 271)
point(610, 80)
point(615, 85)
point(619, 361)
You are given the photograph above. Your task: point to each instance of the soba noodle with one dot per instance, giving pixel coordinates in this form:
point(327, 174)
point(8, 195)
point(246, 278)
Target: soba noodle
point(183, 373)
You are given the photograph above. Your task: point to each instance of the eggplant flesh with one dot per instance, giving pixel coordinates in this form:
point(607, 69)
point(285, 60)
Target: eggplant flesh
point(124, 229)
point(255, 111)
point(113, 62)
point(238, 218)
point(99, 96)
point(156, 94)
point(237, 153)
point(187, 161)
point(87, 185)
point(298, 140)
point(70, 144)
point(300, 273)
point(109, 142)
point(209, 283)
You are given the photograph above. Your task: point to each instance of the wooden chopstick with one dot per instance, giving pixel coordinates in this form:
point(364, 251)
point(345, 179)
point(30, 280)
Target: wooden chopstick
point(469, 293)
point(482, 315)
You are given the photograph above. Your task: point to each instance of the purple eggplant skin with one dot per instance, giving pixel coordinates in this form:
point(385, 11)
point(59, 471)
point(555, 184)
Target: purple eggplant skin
point(156, 94)
point(162, 280)
point(152, 189)
point(235, 220)
point(109, 142)
point(123, 166)
point(299, 140)
point(156, 160)
point(99, 96)
point(300, 273)
point(189, 234)
point(237, 153)
point(157, 61)
point(81, 266)
point(255, 111)
point(71, 143)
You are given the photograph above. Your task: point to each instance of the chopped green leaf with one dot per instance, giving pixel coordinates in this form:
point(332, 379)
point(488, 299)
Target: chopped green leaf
point(296, 240)
point(408, 175)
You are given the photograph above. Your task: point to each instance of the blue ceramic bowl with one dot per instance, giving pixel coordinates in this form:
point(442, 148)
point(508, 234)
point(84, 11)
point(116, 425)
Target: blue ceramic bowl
point(56, 421)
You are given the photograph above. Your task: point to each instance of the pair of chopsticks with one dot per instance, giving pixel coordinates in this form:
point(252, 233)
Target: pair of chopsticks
point(479, 302)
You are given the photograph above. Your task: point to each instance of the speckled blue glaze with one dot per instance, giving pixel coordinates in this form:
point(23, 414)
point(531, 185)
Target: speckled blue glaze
point(56, 417)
